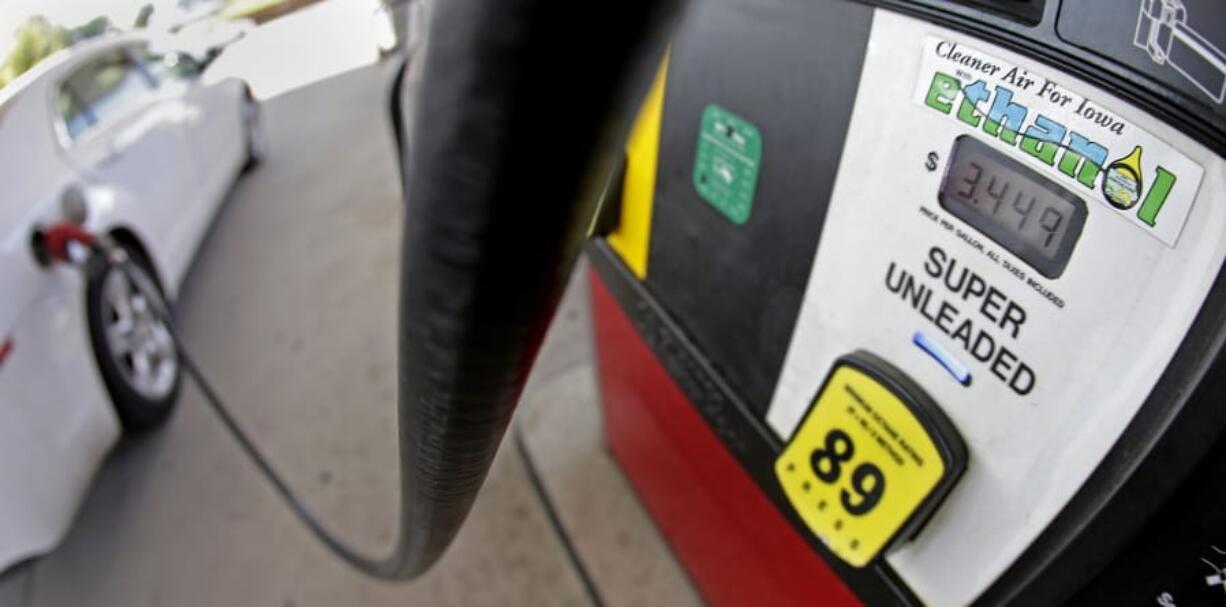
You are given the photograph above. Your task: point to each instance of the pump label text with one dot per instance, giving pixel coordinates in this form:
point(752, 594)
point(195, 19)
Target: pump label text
point(1082, 144)
point(982, 319)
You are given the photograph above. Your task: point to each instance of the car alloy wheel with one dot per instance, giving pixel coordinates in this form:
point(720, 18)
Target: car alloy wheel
point(138, 342)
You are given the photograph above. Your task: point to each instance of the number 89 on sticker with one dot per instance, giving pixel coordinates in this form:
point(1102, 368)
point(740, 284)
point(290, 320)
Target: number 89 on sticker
point(867, 481)
point(872, 455)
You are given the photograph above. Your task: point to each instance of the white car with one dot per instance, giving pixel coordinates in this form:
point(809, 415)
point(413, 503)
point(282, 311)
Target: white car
point(137, 144)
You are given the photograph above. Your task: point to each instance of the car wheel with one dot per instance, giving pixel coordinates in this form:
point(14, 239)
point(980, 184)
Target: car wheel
point(135, 351)
point(253, 122)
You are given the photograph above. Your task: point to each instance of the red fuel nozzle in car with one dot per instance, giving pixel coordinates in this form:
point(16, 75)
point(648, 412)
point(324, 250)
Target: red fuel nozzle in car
point(51, 244)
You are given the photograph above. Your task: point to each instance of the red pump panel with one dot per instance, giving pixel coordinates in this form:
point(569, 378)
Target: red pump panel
point(737, 548)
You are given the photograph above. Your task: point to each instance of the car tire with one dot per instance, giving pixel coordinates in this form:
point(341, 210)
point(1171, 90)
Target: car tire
point(134, 349)
point(253, 124)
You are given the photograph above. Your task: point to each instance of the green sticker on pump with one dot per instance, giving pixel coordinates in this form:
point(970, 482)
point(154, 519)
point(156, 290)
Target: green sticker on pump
point(726, 164)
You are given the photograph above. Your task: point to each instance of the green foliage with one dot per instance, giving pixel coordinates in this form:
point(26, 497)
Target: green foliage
point(94, 27)
point(35, 40)
point(142, 18)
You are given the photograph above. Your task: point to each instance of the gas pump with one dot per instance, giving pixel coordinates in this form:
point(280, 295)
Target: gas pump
point(921, 302)
point(895, 302)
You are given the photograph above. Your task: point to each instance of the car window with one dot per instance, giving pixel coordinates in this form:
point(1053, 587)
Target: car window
point(173, 65)
point(102, 91)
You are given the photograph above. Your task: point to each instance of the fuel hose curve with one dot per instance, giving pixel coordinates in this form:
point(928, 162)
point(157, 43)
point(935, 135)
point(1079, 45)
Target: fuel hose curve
point(520, 111)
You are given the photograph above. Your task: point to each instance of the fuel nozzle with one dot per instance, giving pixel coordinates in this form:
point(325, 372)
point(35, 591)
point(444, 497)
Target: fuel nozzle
point(51, 243)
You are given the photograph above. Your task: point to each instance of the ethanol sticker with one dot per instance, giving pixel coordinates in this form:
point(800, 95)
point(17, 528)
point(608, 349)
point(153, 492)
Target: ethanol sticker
point(1081, 143)
point(862, 464)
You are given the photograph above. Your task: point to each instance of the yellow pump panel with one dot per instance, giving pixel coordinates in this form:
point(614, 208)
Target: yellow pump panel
point(632, 238)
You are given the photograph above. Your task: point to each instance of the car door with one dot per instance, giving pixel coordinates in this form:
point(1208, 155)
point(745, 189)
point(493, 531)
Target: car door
point(214, 131)
point(217, 136)
point(122, 128)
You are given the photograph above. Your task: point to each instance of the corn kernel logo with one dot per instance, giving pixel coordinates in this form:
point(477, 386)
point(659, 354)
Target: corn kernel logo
point(1122, 185)
point(1082, 161)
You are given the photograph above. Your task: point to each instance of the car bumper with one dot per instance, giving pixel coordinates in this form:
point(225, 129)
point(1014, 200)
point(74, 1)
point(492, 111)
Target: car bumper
point(56, 422)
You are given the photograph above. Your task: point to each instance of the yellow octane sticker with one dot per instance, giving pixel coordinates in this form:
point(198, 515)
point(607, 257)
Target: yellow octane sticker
point(859, 466)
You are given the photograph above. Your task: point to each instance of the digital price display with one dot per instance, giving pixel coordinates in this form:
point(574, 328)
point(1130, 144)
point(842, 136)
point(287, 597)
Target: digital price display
point(1033, 218)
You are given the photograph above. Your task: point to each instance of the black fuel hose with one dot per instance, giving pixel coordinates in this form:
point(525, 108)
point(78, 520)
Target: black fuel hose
point(522, 108)
point(517, 124)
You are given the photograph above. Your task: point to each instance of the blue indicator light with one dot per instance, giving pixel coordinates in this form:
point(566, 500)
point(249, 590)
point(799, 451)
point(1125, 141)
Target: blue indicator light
point(947, 360)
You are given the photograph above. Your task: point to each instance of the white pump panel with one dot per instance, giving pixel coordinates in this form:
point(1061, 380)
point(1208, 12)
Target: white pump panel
point(1058, 366)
